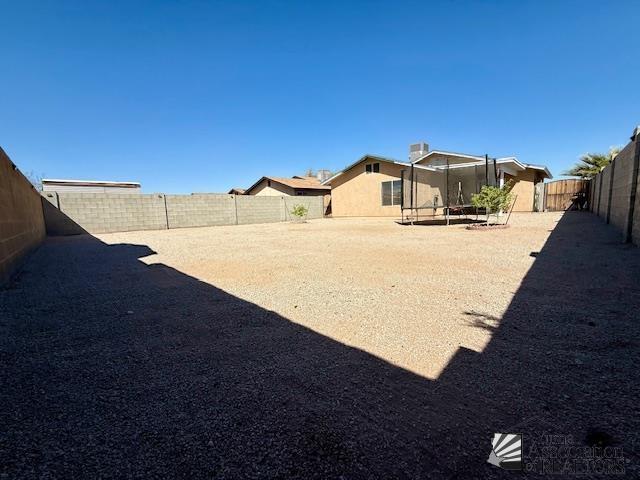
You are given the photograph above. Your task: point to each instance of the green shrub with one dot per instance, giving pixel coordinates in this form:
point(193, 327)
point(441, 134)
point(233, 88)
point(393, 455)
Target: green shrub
point(299, 211)
point(493, 199)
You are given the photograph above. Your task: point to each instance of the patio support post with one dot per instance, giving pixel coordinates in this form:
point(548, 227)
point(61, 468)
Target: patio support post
point(446, 189)
point(486, 169)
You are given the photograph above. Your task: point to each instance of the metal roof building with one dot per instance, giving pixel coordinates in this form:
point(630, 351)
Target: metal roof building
point(89, 186)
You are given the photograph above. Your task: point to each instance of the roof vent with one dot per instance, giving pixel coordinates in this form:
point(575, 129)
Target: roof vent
point(417, 150)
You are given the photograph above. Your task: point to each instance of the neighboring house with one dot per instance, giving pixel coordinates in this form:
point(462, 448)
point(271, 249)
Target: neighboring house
point(89, 186)
point(373, 185)
point(294, 186)
point(237, 191)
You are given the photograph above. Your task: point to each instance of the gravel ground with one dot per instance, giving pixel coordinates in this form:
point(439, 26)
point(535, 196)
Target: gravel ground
point(342, 348)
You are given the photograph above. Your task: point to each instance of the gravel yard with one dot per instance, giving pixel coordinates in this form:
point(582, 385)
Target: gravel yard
point(338, 348)
point(405, 294)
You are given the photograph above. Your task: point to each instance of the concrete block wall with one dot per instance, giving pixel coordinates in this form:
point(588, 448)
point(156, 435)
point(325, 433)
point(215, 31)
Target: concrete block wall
point(315, 208)
point(635, 226)
point(200, 210)
point(613, 196)
point(260, 209)
point(621, 180)
point(57, 222)
point(593, 192)
point(22, 226)
point(74, 213)
point(604, 192)
point(104, 213)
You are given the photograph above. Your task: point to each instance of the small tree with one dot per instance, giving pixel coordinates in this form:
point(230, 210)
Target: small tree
point(493, 199)
point(299, 212)
point(35, 179)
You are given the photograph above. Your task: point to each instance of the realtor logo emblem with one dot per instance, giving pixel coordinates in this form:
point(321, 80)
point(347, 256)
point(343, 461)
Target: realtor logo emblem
point(506, 451)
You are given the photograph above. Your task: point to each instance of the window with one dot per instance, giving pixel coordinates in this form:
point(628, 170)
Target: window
point(372, 168)
point(391, 193)
point(300, 192)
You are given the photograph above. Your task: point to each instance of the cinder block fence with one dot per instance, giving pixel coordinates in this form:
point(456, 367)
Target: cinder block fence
point(615, 192)
point(21, 220)
point(73, 213)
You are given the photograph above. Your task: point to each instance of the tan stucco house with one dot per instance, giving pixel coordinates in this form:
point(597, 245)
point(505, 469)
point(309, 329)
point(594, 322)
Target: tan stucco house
point(294, 186)
point(377, 186)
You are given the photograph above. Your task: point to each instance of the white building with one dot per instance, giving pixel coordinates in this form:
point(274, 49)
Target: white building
point(89, 186)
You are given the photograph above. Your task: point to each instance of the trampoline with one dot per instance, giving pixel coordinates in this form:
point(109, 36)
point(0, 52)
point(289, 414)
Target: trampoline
point(443, 189)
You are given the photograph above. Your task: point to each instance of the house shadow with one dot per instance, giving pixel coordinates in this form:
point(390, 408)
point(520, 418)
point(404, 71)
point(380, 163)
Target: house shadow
point(116, 368)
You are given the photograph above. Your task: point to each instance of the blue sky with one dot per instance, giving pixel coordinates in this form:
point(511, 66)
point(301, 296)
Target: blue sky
point(190, 96)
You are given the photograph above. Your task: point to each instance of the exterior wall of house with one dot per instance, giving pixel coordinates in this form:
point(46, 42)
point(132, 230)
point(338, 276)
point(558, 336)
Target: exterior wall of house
point(524, 189)
point(358, 194)
point(428, 189)
point(275, 190)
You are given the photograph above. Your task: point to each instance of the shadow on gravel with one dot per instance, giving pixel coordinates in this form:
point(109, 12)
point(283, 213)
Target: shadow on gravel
point(112, 368)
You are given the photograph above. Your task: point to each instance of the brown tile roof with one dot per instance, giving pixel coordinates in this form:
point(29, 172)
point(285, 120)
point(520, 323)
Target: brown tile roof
point(307, 183)
point(300, 182)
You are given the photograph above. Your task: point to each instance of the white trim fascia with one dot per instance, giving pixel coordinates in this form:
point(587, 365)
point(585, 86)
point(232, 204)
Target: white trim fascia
point(448, 154)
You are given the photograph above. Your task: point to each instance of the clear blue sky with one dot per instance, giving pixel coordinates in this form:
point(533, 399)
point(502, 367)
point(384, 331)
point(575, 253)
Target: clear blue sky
point(202, 96)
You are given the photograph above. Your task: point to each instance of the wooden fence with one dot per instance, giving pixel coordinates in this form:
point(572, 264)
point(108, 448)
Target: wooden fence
point(559, 195)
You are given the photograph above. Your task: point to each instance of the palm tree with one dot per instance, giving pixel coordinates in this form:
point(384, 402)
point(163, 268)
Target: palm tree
point(592, 163)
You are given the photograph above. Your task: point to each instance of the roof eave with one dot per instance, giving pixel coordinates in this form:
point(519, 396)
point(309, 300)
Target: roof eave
point(376, 158)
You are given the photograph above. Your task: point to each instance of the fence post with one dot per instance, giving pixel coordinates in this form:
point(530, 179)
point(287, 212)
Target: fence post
point(628, 234)
point(284, 209)
point(613, 172)
point(235, 208)
point(166, 210)
point(599, 193)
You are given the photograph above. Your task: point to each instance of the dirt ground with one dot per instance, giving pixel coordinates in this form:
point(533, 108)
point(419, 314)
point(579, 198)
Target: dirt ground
point(408, 294)
point(339, 348)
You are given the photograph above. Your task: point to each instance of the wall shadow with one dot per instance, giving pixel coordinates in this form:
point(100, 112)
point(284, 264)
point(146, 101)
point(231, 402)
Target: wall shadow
point(56, 221)
point(116, 368)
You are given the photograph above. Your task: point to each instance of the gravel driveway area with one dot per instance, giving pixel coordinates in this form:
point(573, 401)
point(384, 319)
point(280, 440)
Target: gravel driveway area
point(338, 348)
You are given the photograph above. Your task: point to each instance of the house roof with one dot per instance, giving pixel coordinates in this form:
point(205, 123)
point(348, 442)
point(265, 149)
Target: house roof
point(306, 177)
point(304, 183)
point(474, 161)
point(448, 154)
point(478, 159)
point(512, 162)
point(376, 158)
point(239, 190)
point(89, 183)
